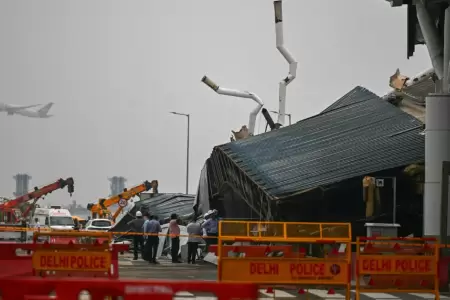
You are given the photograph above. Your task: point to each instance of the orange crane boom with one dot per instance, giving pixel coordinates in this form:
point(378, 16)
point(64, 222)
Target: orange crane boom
point(101, 208)
point(37, 193)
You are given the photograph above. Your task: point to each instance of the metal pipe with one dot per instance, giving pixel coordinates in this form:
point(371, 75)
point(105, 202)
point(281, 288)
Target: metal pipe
point(394, 200)
point(269, 119)
point(187, 147)
point(431, 37)
point(278, 7)
point(289, 116)
point(239, 94)
point(444, 202)
point(187, 152)
point(445, 83)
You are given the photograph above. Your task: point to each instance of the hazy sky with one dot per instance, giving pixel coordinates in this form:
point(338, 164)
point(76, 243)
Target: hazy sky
point(116, 68)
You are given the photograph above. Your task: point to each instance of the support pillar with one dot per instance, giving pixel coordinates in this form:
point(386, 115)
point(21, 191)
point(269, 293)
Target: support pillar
point(437, 150)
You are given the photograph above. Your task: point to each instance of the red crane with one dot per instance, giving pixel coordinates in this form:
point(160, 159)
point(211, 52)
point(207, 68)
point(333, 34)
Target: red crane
point(12, 205)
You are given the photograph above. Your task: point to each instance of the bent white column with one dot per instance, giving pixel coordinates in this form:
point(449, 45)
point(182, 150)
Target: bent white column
point(437, 150)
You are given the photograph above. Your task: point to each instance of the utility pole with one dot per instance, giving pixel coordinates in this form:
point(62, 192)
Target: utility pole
point(187, 146)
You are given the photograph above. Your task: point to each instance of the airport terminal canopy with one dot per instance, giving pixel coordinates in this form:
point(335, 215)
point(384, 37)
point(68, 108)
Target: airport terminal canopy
point(357, 135)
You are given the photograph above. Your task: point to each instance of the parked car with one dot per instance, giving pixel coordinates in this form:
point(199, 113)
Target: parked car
point(98, 225)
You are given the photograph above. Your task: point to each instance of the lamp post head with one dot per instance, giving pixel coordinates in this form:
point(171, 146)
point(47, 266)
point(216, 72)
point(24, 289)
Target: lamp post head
point(180, 114)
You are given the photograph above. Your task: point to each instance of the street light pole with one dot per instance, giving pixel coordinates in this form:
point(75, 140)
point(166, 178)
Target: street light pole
point(187, 146)
point(289, 116)
point(187, 153)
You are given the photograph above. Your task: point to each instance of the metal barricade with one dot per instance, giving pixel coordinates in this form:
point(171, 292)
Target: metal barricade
point(397, 265)
point(280, 259)
point(99, 289)
point(76, 259)
point(15, 259)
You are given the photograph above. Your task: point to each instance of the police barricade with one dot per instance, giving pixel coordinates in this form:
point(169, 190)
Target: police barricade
point(330, 267)
point(15, 259)
point(99, 289)
point(397, 265)
point(76, 259)
point(74, 236)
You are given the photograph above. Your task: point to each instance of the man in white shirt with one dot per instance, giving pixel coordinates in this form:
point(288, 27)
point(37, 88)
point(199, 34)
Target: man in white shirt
point(194, 231)
point(37, 225)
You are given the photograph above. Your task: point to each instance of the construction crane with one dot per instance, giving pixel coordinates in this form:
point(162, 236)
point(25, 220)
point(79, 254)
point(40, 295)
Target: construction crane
point(10, 209)
point(101, 209)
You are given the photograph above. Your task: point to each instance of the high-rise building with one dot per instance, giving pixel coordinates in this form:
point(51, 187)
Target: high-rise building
point(117, 184)
point(22, 184)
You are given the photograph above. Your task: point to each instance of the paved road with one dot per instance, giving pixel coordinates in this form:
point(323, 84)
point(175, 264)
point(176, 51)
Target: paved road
point(205, 271)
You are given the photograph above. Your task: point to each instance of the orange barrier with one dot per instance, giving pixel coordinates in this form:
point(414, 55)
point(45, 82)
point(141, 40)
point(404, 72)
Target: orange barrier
point(253, 251)
point(61, 260)
point(72, 236)
point(293, 268)
point(99, 289)
point(79, 260)
point(14, 260)
point(396, 265)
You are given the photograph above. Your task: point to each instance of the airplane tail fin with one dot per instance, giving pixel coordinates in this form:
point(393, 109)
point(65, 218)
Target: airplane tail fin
point(45, 109)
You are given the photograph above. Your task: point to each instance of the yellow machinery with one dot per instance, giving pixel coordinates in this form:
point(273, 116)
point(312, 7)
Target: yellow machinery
point(100, 210)
point(78, 220)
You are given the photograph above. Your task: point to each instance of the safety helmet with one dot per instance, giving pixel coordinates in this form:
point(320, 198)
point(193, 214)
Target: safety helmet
point(138, 214)
point(207, 214)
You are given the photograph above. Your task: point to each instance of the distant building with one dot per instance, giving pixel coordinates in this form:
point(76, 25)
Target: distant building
point(117, 185)
point(22, 184)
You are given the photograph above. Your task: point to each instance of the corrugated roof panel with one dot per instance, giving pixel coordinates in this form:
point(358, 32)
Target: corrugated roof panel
point(350, 98)
point(163, 205)
point(359, 135)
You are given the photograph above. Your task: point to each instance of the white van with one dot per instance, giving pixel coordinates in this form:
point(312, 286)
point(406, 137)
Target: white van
point(53, 218)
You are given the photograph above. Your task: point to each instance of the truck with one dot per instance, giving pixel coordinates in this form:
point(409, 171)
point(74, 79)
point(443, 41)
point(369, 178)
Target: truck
point(13, 217)
point(53, 218)
point(100, 210)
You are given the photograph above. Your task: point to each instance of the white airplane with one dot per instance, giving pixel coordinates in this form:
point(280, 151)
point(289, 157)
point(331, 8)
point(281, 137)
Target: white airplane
point(26, 111)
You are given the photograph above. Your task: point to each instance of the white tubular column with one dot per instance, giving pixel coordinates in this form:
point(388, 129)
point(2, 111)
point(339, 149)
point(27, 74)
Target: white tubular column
point(437, 150)
point(278, 7)
point(240, 94)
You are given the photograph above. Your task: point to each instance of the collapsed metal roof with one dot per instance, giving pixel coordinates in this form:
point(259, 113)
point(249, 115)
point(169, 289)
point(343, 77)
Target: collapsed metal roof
point(357, 135)
point(161, 205)
point(409, 93)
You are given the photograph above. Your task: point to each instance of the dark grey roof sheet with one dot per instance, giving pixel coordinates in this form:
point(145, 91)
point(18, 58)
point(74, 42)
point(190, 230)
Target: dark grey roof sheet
point(162, 205)
point(351, 98)
point(359, 134)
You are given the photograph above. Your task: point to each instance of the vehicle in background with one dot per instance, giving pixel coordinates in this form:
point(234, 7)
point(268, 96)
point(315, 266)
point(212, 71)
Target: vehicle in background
point(101, 209)
point(53, 218)
point(99, 225)
point(79, 222)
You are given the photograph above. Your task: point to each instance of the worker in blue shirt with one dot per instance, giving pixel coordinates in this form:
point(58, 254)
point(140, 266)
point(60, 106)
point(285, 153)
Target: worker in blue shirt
point(152, 228)
point(210, 228)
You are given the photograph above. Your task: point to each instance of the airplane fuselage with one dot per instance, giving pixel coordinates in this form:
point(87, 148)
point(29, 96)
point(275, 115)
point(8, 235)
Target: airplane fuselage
point(31, 114)
point(25, 111)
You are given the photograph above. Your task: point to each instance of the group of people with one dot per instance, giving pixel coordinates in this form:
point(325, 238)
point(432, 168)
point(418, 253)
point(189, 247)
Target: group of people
point(148, 228)
point(147, 240)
